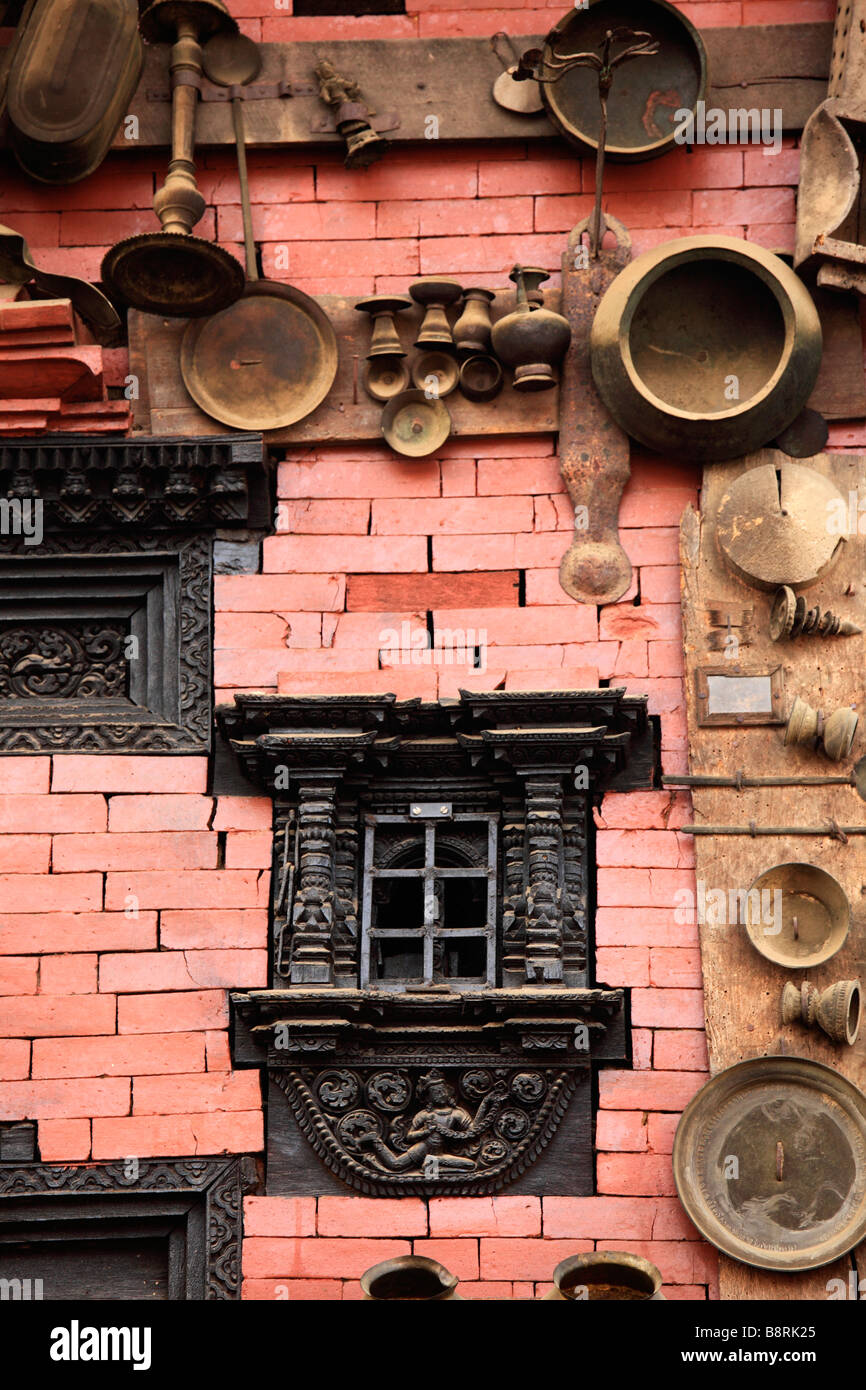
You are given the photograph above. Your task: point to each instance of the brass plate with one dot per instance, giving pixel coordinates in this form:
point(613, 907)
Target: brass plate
point(772, 525)
point(765, 1117)
point(415, 426)
point(263, 363)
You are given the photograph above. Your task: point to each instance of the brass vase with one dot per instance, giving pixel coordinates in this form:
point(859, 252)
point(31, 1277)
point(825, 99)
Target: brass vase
point(409, 1279)
point(606, 1276)
point(472, 329)
point(531, 340)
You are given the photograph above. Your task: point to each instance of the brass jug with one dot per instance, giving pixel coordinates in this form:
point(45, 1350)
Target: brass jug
point(606, 1276)
point(411, 1279)
point(531, 340)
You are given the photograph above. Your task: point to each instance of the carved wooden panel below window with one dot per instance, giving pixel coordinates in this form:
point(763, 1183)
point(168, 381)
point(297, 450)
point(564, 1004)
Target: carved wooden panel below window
point(105, 646)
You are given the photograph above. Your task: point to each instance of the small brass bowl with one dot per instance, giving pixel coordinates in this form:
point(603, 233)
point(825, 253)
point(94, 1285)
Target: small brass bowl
point(481, 378)
point(438, 368)
point(414, 425)
point(806, 924)
point(385, 377)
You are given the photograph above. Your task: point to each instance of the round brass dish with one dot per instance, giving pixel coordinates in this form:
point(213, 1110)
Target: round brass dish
point(181, 276)
point(770, 1163)
point(385, 377)
point(646, 95)
point(441, 367)
point(706, 347)
point(809, 905)
point(414, 426)
point(772, 526)
point(263, 363)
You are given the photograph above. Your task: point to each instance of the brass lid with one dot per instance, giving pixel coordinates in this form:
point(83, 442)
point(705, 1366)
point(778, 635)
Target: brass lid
point(415, 426)
point(769, 1161)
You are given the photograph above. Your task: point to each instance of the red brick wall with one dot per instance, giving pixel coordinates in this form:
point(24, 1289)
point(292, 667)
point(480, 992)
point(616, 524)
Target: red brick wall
point(131, 899)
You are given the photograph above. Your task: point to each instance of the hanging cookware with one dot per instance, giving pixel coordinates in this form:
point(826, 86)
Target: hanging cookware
point(172, 272)
point(606, 1276)
point(18, 269)
point(472, 329)
point(811, 727)
point(650, 95)
point(706, 347)
point(435, 373)
point(384, 338)
point(523, 98)
point(415, 425)
point(409, 1278)
point(797, 915)
point(271, 357)
point(60, 126)
point(481, 377)
point(769, 1161)
point(386, 377)
point(435, 294)
point(791, 617)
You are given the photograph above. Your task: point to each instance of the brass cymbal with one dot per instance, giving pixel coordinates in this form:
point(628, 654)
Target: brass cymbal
point(180, 276)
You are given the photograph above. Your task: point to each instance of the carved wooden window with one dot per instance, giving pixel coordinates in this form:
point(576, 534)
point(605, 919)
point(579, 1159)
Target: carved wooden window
point(429, 900)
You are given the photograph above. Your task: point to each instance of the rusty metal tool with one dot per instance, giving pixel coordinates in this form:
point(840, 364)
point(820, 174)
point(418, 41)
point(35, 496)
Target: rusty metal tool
point(856, 779)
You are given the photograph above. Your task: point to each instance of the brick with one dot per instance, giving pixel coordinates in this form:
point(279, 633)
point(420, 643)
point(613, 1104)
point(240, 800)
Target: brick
point(367, 554)
point(458, 1256)
point(404, 682)
point(489, 253)
point(177, 849)
point(485, 1216)
point(244, 813)
point(499, 477)
point(153, 1054)
point(25, 854)
point(47, 814)
point(497, 552)
point(24, 775)
point(267, 630)
point(159, 812)
point(599, 1218)
point(651, 810)
point(215, 887)
point(96, 772)
point(622, 1131)
point(652, 545)
point(292, 1290)
point(372, 631)
point(526, 1259)
point(18, 974)
point(262, 593)
point(338, 259)
point(458, 477)
point(368, 476)
point(129, 973)
point(67, 974)
point(668, 1008)
point(391, 593)
point(196, 1094)
point(642, 1048)
point(149, 1136)
point(372, 1216)
point(670, 1221)
point(55, 1015)
point(679, 1261)
point(485, 217)
point(768, 166)
point(660, 1133)
point(490, 1289)
point(680, 1050)
point(63, 1141)
point(652, 1090)
point(14, 1059)
point(514, 627)
point(453, 516)
point(745, 205)
point(638, 848)
point(498, 177)
point(648, 622)
point(211, 930)
point(36, 1100)
point(329, 516)
point(217, 1054)
point(33, 933)
point(272, 1257)
point(249, 849)
point(171, 1013)
point(50, 892)
point(635, 1174)
point(661, 208)
point(342, 221)
point(676, 967)
point(623, 965)
point(280, 1216)
point(652, 887)
point(399, 178)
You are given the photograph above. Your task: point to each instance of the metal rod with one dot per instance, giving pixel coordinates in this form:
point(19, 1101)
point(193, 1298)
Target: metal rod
point(699, 780)
point(246, 211)
point(831, 829)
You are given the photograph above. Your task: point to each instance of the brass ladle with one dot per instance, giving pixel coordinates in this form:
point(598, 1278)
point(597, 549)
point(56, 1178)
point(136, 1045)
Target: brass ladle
point(233, 61)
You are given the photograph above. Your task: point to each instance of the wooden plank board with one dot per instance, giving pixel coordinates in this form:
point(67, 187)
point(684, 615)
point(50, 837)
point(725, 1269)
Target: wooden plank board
point(164, 405)
point(777, 66)
point(742, 989)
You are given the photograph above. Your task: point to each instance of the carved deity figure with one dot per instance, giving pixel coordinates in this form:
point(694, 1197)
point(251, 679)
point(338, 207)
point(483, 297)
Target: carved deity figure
point(443, 1124)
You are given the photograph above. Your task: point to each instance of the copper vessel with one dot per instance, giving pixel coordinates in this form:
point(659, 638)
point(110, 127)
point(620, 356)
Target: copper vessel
point(796, 915)
point(837, 1010)
point(531, 340)
point(410, 1279)
point(472, 329)
point(606, 1276)
point(706, 347)
point(61, 127)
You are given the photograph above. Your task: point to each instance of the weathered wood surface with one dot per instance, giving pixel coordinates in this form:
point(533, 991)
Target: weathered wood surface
point(742, 989)
point(777, 66)
point(164, 405)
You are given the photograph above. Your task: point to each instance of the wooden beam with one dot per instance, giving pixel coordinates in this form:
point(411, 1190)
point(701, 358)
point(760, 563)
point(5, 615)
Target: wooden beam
point(781, 66)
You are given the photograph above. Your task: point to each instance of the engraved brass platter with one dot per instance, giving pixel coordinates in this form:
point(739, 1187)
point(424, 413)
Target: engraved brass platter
point(770, 1163)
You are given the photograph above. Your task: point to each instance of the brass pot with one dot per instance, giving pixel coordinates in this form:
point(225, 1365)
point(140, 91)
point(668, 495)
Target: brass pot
point(531, 340)
point(411, 1279)
point(606, 1276)
point(706, 347)
point(472, 329)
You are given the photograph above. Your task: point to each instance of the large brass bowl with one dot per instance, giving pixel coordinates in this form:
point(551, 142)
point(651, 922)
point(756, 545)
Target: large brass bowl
point(706, 347)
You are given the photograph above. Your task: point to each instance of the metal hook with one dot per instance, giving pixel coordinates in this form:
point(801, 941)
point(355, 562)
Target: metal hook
point(515, 56)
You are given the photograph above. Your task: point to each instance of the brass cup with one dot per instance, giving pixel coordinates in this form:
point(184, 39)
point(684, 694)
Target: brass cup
point(436, 294)
point(481, 377)
point(435, 367)
point(385, 377)
point(472, 329)
point(814, 911)
point(837, 1010)
point(384, 340)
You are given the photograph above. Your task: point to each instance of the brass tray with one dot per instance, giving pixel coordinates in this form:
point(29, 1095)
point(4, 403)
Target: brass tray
point(770, 1163)
point(264, 362)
